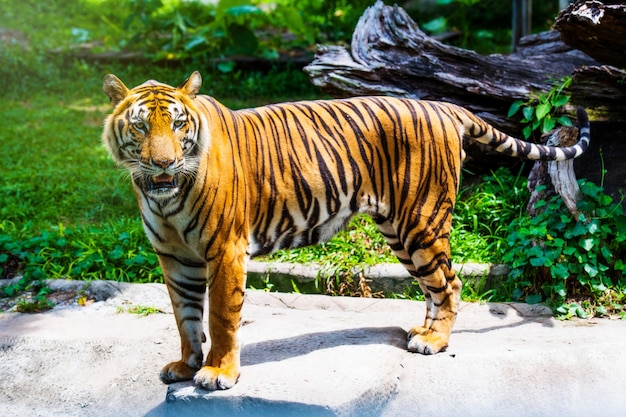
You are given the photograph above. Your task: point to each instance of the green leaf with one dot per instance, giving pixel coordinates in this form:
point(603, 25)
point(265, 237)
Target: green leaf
point(592, 270)
point(564, 121)
point(243, 10)
point(527, 132)
point(541, 261)
point(578, 230)
point(292, 18)
point(515, 107)
point(606, 253)
point(593, 227)
point(436, 25)
point(536, 123)
point(226, 66)
point(116, 253)
point(559, 100)
point(195, 41)
point(598, 286)
point(548, 124)
point(559, 289)
point(579, 311)
point(601, 311)
point(533, 299)
point(542, 110)
point(528, 113)
point(569, 250)
point(560, 271)
point(587, 244)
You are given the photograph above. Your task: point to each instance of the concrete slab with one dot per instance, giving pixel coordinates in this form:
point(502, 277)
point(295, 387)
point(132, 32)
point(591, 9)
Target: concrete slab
point(314, 356)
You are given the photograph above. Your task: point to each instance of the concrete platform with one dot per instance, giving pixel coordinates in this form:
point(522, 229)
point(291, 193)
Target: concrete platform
point(307, 355)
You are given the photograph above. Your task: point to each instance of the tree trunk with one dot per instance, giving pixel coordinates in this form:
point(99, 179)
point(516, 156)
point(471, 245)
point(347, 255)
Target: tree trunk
point(557, 177)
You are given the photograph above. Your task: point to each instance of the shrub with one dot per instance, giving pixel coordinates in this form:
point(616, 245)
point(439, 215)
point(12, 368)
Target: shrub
point(117, 251)
point(557, 257)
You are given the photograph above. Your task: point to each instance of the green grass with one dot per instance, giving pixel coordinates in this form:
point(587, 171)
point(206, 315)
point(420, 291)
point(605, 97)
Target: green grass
point(486, 206)
point(484, 209)
point(57, 172)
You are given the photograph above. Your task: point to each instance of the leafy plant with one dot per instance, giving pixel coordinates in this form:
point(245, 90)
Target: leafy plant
point(140, 310)
point(542, 112)
point(482, 213)
point(34, 304)
point(230, 27)
point(119, 252)
point(558, 257)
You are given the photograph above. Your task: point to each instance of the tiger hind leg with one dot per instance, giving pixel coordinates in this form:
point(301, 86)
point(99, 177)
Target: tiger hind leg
point(441, 288)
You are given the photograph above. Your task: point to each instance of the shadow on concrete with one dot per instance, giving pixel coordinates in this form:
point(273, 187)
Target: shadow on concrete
point(511, 316)
point(276, 350)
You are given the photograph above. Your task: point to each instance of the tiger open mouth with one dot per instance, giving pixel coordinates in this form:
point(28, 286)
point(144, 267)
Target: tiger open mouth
point(162, 182)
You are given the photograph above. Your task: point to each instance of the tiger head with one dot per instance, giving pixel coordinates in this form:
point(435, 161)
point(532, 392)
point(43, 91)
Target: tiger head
point(155, 132)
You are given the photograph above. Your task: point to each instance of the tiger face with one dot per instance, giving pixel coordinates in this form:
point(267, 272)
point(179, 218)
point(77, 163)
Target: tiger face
point(158, 139)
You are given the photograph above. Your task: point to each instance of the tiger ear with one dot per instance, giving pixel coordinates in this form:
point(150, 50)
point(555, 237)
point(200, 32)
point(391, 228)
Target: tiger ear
point(192, 85)
point(114, 88)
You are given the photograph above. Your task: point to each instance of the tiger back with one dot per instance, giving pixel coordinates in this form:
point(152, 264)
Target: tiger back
point(216, 186)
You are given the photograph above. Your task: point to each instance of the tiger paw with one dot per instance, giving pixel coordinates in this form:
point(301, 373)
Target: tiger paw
point(426, 341)
point(177, 371)
point(212, 378)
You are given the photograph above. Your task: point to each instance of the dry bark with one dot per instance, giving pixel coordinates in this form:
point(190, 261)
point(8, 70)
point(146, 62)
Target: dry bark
point(596, 28)
point(558, 177)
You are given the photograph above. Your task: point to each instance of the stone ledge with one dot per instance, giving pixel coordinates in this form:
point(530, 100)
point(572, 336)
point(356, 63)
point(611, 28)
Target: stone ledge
point(387, 277)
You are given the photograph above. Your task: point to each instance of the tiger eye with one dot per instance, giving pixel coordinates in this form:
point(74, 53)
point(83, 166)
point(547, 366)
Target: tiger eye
point(139, 126)
point(179, 123)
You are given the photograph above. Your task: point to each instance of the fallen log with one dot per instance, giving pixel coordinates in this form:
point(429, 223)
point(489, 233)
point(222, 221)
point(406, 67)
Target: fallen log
point(390, 55)
point(596, 28)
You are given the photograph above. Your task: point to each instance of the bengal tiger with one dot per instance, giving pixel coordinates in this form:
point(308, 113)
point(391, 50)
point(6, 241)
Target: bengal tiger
point(217, 186)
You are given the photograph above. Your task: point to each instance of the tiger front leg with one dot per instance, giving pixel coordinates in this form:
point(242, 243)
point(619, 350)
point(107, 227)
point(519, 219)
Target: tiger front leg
point(226, 295)
point(186, 284)
point(442, 291)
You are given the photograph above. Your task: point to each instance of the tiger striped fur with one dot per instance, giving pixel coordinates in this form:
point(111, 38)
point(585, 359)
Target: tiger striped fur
point(216, 186)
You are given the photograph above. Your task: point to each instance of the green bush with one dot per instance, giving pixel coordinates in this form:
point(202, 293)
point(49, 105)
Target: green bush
point(116, 251)
point(174, 30)
point(559, 258)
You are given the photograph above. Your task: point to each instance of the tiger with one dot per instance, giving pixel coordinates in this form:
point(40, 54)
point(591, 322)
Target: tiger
point(217, 186)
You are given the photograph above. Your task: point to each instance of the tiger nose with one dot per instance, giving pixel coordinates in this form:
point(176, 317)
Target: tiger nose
point(163, 163)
